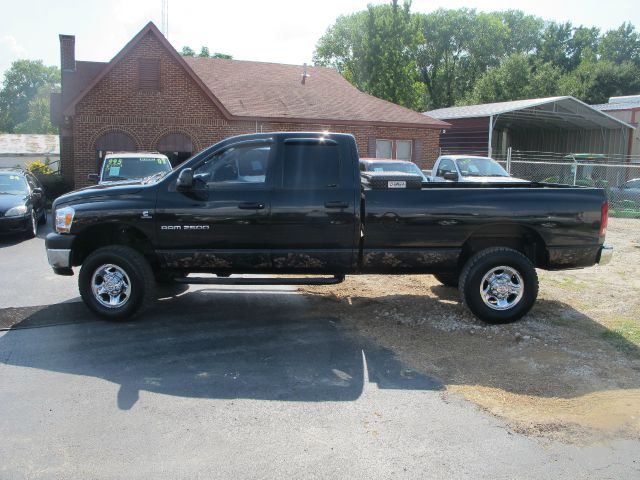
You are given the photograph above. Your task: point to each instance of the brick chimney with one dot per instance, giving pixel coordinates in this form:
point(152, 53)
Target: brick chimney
point(67, 52)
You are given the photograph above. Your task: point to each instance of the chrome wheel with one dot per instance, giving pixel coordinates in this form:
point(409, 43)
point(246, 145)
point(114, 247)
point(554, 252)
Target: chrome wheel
point(501, 288)
point(111, 286)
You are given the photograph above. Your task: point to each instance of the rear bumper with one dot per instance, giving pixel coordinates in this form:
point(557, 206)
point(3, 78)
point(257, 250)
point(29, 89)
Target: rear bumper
point(605, 254)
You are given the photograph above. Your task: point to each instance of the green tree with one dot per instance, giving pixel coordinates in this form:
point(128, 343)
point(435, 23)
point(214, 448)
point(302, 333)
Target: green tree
point(509, 81)
point(555, 45)
point(22, 82)
point(38, 119)
point(222, 55)
point(459, 46)
point(342, 45)
point(375, 50)
point(188, 52)
point(621, 45)
point(584, 41)
point(594, 81)
point(204, 52)
point(524, 31)
point(390, 43)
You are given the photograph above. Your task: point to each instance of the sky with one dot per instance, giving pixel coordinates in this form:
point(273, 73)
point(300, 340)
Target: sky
point(272, 31)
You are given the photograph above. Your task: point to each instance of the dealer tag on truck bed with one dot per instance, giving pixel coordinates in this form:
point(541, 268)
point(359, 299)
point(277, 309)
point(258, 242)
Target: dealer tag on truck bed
point(397, 184)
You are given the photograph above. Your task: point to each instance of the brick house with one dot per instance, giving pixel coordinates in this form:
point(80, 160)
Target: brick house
point(150, 98)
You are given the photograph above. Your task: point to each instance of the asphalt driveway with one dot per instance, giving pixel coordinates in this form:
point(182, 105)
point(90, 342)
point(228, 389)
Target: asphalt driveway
point(237, 383)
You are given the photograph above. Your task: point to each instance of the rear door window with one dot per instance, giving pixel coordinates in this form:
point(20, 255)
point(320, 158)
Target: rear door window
point(311, 166)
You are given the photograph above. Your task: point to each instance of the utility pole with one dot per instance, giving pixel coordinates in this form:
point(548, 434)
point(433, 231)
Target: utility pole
point(165, 18)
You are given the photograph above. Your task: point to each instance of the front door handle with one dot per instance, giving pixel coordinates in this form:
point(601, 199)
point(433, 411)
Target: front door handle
point(336, 205)
point(251, 206)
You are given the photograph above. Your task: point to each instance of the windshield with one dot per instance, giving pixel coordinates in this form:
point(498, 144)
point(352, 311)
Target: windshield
point(480, 167)
point(133, 168)
point(13, 184)
point(396, 167)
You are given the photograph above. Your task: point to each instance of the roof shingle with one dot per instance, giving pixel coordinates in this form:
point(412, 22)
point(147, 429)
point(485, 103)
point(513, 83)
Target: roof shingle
point(276, 91)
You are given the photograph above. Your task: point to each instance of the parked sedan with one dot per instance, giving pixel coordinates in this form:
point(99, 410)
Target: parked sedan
point(387, 165)
point(22, 202)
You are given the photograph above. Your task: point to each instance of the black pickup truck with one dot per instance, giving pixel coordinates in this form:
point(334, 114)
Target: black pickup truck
point(296, 203)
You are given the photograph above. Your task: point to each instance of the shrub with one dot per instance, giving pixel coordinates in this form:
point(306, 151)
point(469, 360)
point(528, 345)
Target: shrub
point(39, 168)
point(554, 179)
point(585, 182)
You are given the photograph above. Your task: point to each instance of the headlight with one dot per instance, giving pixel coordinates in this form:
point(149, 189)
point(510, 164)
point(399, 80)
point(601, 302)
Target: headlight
point(64, 219)
point(16, 211)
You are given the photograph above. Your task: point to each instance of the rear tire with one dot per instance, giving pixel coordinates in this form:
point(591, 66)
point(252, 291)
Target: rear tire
point(116, 282)
point(499, 285)
point(448, 279)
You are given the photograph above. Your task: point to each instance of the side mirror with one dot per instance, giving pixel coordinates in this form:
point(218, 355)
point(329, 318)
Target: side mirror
point(185, 179)
point(93, 177)
point(450, 176)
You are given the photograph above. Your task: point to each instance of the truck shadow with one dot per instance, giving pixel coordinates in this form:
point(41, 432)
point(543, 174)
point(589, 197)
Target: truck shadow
point(555, 351)
point(210, 344)
point(277, 345)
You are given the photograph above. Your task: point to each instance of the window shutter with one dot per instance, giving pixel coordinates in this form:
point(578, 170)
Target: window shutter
point(149, 74)
point(417, 152)
point(371, 147)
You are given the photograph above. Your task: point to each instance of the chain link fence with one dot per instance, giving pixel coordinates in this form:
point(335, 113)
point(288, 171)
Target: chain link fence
point(619, 175)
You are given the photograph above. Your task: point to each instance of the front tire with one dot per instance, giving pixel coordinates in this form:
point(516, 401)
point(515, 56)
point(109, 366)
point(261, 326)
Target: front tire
point(32, 228)
point(499, 285)
point(116, 282)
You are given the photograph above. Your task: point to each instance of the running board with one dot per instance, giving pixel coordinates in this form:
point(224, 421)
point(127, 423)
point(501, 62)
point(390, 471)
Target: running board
point(260, 281)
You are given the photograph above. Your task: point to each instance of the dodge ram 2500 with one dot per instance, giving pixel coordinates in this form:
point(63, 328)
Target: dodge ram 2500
point(296, 203)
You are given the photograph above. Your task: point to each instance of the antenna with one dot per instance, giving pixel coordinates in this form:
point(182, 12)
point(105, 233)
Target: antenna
point(165, 18)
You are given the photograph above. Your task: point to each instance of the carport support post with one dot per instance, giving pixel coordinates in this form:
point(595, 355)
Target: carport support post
point(489, 152)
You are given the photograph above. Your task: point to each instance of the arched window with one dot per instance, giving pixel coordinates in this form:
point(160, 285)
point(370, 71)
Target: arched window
point(114, 141)
point(177, 146)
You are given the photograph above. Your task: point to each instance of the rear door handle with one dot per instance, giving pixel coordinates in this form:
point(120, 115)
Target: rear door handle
point(251, 206)
point(336, 205)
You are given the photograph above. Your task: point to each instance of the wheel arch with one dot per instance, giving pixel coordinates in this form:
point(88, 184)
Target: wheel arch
point(116, 233)
point(521, 238)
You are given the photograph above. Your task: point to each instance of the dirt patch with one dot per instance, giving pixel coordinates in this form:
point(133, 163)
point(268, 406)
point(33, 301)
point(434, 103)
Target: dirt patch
point(569, 370)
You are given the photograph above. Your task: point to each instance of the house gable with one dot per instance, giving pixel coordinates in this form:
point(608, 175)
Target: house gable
point(119, 82)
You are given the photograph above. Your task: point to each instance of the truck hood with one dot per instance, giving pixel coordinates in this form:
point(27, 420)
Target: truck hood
point(100, 192)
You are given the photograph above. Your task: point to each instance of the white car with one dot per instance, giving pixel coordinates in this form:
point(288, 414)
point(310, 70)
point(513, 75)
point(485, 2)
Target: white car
point(470, 169)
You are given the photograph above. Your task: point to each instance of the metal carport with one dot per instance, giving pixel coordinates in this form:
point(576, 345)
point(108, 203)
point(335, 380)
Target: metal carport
point(555, 124)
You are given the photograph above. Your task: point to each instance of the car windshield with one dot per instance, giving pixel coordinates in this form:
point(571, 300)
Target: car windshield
point(133, 168)
point(480, 167)
point(13, 184)
point(396, 167)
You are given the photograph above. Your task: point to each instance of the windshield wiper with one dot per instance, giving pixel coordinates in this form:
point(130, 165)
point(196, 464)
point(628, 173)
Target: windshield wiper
point(155, 176)
point(114, 177)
